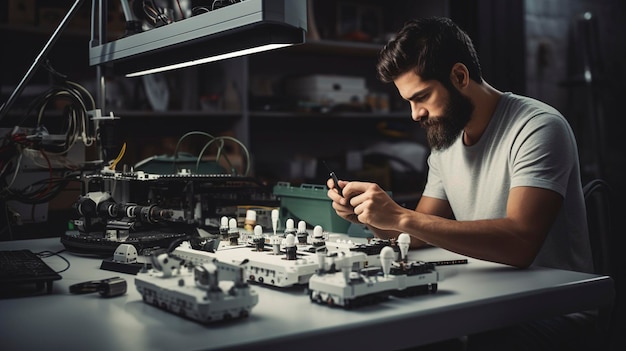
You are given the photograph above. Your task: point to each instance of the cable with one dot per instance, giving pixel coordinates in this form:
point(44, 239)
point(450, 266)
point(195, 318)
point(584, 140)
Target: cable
point(218, 4)
point(6, 221)
point(180, 141)
point(221, 138)
point(42, 190)
point(153, 13)
point(180, 9)
point(79, 102)
point(119, 157)
point(49, 186)
point(48, 253)
point(41, 146)
point(219, 154)
point(31, 140)
point(10, 184)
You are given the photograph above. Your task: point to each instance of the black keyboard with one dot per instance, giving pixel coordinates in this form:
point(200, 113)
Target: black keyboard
point(23, 272)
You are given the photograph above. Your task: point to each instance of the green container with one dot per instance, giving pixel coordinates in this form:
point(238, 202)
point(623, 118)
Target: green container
point(309, 203)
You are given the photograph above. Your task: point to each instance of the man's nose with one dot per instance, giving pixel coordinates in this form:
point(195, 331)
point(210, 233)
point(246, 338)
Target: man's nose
point(418, 112)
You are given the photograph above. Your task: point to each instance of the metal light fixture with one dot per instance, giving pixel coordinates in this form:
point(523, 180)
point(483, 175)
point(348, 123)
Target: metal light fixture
point(241, 28)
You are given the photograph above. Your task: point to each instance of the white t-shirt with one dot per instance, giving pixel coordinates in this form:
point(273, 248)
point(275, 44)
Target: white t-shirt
point(527, 143)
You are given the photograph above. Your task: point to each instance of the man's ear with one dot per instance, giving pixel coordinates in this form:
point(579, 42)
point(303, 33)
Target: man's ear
point(459, 75)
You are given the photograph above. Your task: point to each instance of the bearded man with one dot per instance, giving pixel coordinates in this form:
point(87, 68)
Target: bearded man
point(504, 182)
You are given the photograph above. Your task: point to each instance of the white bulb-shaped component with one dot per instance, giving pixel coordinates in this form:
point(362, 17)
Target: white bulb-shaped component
point(224, 222)
point(289, 224)
point(404, 241)
point(387, 256)
point(301, 226)
point(232, 223)
point(290, 240)
point(318, 232)
point(258, 230)
point(251, 215)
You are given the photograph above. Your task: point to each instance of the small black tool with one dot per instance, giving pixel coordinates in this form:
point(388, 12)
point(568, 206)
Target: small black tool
point(335, 179)
point(106, 287)
point(449, 262)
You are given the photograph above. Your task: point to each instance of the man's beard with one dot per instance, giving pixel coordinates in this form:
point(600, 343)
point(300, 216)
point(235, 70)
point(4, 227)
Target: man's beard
point(442, 131)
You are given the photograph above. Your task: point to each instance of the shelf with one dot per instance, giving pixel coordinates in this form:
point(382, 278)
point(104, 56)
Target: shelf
point(148, 114)
point(339, 115)
point(262, 114)
point(338, 47)
point(182, 114)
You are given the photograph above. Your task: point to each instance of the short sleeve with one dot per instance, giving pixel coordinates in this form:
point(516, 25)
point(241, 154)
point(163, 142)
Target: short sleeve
point(542, 155)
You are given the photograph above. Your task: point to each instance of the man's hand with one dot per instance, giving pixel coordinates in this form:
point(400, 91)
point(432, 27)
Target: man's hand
point(340, 204)
point(372, 205)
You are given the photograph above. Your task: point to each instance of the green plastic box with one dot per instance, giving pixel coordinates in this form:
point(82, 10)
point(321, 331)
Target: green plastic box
point(309, 203)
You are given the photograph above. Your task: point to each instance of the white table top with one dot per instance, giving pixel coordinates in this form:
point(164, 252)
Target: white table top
point(471, 297)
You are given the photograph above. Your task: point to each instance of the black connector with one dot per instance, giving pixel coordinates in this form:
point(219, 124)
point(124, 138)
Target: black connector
point(110, 287)
point(335, 179)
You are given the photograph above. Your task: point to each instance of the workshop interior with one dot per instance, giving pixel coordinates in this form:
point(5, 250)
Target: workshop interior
point(76, 109)
point(129, 127)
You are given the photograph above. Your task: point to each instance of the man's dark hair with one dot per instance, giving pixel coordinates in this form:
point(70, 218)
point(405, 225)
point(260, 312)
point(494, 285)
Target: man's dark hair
point(430, 47)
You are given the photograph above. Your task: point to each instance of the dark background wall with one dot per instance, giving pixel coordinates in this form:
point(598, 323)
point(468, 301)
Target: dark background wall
point(542, 48)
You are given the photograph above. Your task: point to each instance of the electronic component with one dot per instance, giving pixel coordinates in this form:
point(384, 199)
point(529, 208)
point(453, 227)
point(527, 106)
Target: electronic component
point(151, 210)
point(109, 287)
point(282, 261)
point(125, 260)
point(204, 291)
point(344, 284)
point(281, 267)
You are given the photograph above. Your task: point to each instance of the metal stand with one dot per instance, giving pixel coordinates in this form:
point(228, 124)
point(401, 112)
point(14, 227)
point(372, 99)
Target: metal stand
point(39, 59)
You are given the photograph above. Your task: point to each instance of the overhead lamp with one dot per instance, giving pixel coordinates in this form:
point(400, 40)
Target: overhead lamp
point(239, 29)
